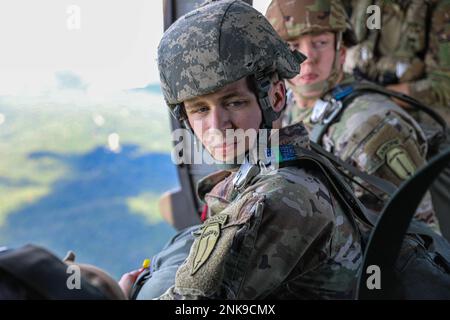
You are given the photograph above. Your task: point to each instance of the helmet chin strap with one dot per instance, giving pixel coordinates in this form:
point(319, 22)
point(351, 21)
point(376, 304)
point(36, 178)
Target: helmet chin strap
point(324, 85)
point(262, 84)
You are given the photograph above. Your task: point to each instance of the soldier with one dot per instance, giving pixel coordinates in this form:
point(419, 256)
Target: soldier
point(409, 52)
point(269, 233)
point(370, 132)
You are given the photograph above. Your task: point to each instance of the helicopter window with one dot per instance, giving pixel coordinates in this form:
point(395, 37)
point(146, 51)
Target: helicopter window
point(84, 132)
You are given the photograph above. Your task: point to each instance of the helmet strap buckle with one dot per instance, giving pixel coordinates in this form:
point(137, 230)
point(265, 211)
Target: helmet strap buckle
point(262, 84)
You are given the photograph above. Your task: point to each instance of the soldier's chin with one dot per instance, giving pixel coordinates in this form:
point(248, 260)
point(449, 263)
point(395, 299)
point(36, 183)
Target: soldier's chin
point(228, 155)
point(312, 94)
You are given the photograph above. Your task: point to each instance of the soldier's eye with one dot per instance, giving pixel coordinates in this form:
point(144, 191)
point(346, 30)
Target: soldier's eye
point(198, 110)
point(202, 110)
point(235, 104)
point(320, 44)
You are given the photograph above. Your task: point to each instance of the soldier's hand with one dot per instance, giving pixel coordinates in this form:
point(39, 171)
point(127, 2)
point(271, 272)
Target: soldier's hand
point(401, 88)
point(128, 279)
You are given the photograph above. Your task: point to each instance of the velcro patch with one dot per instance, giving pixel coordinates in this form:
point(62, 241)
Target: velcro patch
point(210, 234)
point(397, 159)
point(205, 246)
point(400, 162)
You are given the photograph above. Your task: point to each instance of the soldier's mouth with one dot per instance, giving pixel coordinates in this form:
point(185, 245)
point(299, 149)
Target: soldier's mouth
point(224, 146)
point(225, 150)
point(309, 77)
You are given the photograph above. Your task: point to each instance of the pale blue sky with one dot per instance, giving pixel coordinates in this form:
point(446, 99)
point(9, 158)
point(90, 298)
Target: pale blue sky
point(114, 49)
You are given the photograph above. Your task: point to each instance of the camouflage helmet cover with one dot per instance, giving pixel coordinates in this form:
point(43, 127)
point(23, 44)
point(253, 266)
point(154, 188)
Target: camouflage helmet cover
point(217, 44)
point(293, 18)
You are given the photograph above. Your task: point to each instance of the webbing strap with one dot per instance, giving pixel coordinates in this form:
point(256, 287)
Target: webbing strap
point(381, 184)
point(347, 93)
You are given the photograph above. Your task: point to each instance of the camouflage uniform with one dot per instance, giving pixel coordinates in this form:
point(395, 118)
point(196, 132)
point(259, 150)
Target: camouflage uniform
point(284, 237)
point(412, 46)
point(372, 133)
point(283, 234)
point(368, 124)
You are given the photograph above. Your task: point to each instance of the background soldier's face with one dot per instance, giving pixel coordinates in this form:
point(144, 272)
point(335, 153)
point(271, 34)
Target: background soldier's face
point(234, 106)
point(320, 50)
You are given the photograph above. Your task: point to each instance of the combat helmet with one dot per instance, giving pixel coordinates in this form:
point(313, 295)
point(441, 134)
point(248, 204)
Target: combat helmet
point(294, 18)
point(217, 44)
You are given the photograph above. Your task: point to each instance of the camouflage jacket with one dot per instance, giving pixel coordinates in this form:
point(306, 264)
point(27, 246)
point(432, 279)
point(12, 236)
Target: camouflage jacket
point(283, 237)
point(376, 136)
point(412, 46)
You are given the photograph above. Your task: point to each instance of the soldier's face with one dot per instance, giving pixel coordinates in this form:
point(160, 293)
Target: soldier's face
point(320, 50)
point(233, 107)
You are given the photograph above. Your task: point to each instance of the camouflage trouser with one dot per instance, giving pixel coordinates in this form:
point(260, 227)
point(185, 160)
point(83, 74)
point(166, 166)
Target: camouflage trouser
point(440, 193)
point(164, 266)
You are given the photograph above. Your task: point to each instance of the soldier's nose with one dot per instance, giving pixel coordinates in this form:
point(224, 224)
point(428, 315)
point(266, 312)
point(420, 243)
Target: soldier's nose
point(310, 53)
point(219, 119)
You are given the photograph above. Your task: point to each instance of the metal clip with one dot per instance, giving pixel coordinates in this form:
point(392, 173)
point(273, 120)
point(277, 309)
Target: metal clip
point(246, 172)
point(336, 107)
point(320, 109)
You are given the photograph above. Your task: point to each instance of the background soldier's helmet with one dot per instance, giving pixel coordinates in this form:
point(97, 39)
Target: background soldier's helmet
point(217, 44)
point(292, 19)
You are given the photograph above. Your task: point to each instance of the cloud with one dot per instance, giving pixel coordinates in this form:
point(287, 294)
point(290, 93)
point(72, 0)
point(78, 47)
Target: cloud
point(69, 80)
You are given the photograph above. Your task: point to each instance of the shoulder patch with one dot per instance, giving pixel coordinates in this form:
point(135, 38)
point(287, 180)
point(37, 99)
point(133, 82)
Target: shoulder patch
point(400, 162)
point(208, 238)
point(397, 159)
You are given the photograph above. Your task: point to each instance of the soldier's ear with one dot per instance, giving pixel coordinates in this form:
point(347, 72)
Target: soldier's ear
point(278, 95)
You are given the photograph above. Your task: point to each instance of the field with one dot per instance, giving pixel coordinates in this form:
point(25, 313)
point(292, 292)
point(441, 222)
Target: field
point(84, 174)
